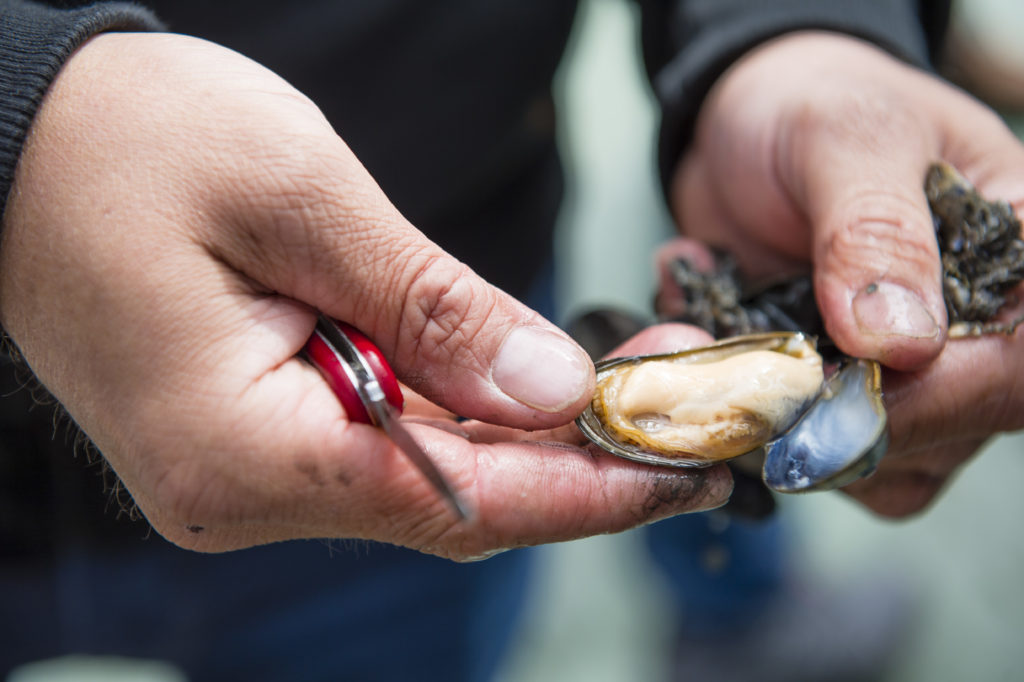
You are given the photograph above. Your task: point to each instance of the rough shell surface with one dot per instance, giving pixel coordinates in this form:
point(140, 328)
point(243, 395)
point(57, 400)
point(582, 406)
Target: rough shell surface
point(982, 252)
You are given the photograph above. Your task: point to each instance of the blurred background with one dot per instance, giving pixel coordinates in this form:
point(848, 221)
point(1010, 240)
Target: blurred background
point(599, 611)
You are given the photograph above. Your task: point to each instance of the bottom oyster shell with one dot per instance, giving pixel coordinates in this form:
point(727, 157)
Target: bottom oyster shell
point(841, 438)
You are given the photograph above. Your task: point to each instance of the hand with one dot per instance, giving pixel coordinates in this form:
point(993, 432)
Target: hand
point(811, 152)
point(179, 215)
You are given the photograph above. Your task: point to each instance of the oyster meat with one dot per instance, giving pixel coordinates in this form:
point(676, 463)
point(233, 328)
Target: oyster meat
point(703, 405)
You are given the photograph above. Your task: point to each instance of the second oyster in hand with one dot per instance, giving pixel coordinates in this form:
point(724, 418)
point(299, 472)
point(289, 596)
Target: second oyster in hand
point(982, 253)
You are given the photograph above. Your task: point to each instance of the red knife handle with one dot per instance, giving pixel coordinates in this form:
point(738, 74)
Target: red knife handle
point(341, 378)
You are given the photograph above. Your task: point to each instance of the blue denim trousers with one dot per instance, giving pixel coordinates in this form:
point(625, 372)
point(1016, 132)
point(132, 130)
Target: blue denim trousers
point(297, 611)
point(306, 611)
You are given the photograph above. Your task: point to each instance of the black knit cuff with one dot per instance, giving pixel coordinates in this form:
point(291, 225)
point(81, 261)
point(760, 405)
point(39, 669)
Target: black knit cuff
point(718, 41)
point(35, 41)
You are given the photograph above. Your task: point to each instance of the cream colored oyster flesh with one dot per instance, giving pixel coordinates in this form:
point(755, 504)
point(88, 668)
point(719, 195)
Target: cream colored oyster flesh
point(710, 410)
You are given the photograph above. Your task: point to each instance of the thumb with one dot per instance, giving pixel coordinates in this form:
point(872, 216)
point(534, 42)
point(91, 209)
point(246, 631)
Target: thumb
point(330, 238)
point(474, 349)
point(877, 272)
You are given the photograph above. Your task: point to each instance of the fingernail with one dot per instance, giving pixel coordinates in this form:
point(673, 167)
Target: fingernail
point(541, 369)
point(885, 309)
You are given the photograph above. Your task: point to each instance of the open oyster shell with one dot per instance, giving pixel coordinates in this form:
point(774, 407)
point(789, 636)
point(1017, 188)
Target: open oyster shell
point(840, 438)
point(738, 396)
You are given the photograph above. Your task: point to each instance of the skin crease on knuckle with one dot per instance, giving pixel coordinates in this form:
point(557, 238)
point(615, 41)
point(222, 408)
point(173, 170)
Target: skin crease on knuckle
point(876, 238)
point(870, 240)
point(390, 261)
point(444, 319)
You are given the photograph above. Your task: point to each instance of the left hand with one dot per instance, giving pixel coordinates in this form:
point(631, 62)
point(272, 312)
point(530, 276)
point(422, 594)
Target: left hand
point(810, 153)
point(178, 216)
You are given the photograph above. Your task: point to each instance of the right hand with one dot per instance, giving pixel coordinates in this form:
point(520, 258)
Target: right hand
point(822, 172)
point(179, 214)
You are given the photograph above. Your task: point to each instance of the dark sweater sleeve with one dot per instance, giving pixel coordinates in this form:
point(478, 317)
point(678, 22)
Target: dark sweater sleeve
point(35, 40)
point(688, 44)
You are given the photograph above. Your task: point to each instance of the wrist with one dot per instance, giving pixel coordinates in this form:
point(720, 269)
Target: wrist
point(36, 41)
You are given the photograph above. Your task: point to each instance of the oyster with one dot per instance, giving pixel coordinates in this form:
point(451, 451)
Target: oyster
point(703, 405)
point(818, 425)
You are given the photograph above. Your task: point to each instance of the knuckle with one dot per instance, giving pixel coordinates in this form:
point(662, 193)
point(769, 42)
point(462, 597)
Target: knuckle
point(446, 312)
point(871, 230)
